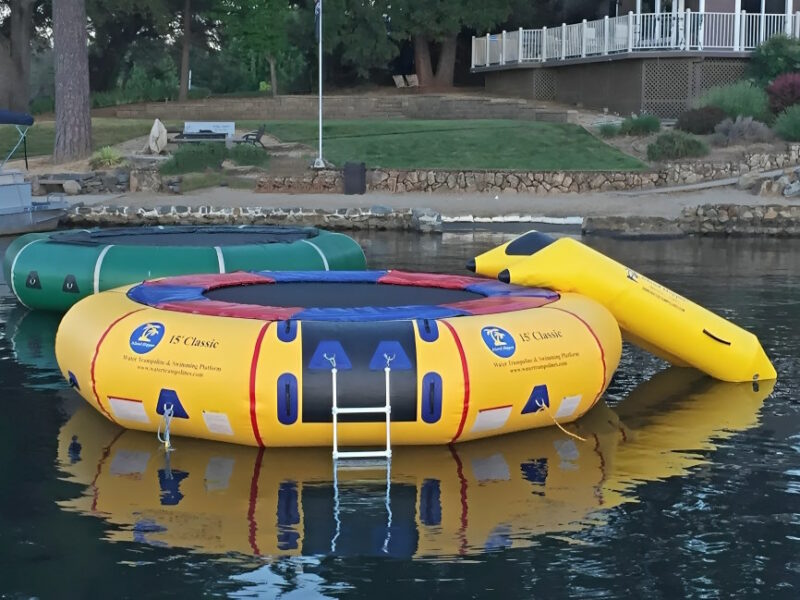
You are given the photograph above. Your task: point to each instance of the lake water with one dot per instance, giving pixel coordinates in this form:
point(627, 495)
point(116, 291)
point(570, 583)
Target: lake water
point(686, 487)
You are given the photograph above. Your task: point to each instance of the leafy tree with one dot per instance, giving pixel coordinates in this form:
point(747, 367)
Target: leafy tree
point(257, 30)
point(16, 31)
point(426, 22)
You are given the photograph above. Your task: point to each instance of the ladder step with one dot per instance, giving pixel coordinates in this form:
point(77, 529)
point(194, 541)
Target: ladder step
point(361, 411)
point(362, 454)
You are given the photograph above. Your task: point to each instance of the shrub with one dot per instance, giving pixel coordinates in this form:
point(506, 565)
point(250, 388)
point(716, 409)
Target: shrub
point(152, 82)
point(194, 158)
point(740, 99)
point(106, 158)
point(700, 121)
point(776, 56)
point(245, 154)
point(676, 144)
point(199, 93)
point(608, 130)
point(787, 125)
point(641, 125)
point(784, 92)
point(42, 104)
point(744, 130)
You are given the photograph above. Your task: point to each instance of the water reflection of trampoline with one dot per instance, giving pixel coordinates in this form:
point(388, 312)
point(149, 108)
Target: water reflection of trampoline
point(466, 499)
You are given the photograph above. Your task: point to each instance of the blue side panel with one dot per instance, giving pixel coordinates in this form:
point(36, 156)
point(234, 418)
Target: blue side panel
point(326, 276)
point(73, 381)
point(431, 397)
point(170, 484)
point(326, 349)
point(539, 397)
point(156, 294)
point(171, 397)
point(390, 350)
point(287, 399)
point(287, 330)
point(428, 330)
point(430, 503)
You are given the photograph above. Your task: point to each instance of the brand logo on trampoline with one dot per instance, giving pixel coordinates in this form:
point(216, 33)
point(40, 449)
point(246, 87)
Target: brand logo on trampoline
point(146, 337)
point(499, 341)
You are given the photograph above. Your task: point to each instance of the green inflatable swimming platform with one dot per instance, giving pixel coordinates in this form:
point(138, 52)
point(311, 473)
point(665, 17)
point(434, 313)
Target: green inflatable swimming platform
point(52, 271)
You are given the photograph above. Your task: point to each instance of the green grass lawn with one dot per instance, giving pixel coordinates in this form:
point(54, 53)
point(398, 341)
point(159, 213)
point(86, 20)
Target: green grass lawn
point(105, 132)
point(480, 144)
point(401, 144)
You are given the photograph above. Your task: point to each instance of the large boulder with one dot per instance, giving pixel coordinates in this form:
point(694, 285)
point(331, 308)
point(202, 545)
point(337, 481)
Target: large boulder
point(158, 138)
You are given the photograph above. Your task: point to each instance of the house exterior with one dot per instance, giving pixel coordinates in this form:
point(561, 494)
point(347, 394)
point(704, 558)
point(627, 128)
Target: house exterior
point(654, 56)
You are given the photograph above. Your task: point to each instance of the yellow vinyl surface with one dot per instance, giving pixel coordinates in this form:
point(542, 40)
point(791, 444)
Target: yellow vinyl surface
point(229, 374)
point(649, 314)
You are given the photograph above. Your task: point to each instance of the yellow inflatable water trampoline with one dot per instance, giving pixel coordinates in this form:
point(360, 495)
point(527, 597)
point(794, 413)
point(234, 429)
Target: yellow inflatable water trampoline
point(343, 359)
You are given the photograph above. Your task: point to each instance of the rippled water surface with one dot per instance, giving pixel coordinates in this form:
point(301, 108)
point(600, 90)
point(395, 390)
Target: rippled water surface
point(685, 487)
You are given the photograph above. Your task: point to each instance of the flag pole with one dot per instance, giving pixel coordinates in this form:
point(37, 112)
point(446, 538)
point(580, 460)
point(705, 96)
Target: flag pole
point(319, 163)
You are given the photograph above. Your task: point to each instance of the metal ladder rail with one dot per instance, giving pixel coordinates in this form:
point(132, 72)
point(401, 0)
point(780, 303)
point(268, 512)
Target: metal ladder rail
point(338, 455)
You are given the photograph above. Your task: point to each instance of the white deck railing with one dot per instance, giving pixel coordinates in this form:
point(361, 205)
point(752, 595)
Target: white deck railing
point(686, 31)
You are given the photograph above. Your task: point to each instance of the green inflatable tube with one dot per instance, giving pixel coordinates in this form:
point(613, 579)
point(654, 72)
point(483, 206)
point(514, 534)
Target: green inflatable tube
point(52, 271)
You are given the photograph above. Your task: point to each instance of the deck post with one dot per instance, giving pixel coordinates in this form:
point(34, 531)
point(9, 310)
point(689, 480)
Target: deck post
point(503, 48)
point(583, 39)
point(762, 22)
point(787, 25)
point(544, 44)
point(488, 41)
point(658, 22)
point(563, 41)
point(797, 24)
point(701, 32)
point(630, 31)
point(687, 30)
point(519, 46)
point(737, 24)
point(673, 37)
point(473, 51)
point(605, 35)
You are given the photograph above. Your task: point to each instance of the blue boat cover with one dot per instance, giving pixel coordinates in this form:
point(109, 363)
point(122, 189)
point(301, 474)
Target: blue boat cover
point(8, 117)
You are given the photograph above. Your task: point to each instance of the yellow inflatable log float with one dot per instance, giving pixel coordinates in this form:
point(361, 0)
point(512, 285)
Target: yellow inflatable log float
point(223, 498)
point(650, 315)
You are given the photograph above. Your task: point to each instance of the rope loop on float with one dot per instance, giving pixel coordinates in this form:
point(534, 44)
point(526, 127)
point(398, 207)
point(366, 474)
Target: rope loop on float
point(166, 420)
point(546, 408)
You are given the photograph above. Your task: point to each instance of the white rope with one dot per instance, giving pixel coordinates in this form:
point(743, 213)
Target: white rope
point(169, 412)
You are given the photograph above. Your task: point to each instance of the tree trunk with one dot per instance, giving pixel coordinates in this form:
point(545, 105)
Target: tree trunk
point(273, 76)
point(422, 60)
point(446, 66)
point(183, 94)
point(73, 120)
point(15, 57)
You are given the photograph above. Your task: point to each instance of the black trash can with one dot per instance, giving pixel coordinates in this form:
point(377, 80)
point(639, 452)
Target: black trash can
point(355, 178)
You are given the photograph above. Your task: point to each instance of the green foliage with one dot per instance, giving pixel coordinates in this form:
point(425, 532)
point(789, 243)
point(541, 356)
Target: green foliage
point(194, 158)
point(641, 125)
point(608, 130)
point(42, 104)
point(676, 144)
point(198, 93)
point(741, 99)
point(700, 121)
point(744, 130)
point(105, 158)
point(779, 54)
point(153, 82)
point(787, 125)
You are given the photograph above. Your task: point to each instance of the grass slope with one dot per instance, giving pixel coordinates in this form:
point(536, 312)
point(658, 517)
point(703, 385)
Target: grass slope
point(481, 144)
point(105, 132)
